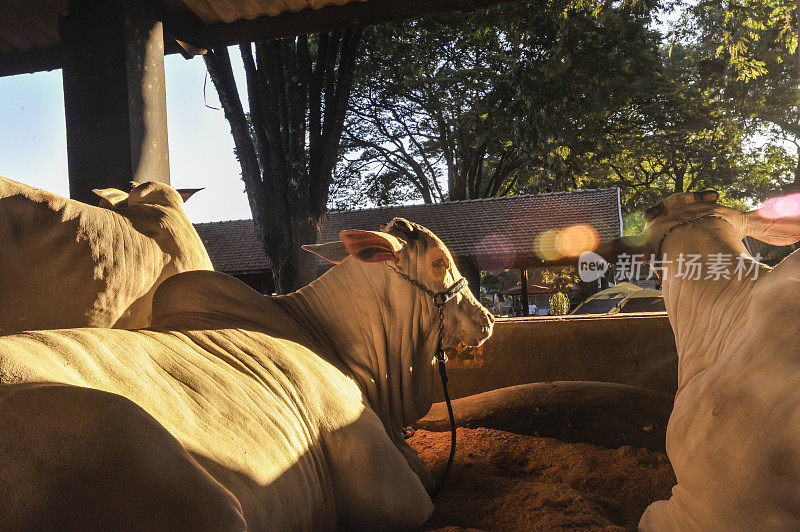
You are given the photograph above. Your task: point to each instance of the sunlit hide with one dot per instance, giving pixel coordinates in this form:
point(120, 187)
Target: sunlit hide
point(290, 408)
point(68, 264)
point(733, 434)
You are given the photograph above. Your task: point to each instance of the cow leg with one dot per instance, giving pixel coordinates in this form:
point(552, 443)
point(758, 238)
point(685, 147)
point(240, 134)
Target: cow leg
point(80, 458)
point(416, 464)
point(374, 487)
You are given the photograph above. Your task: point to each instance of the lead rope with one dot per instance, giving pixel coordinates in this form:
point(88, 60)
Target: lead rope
point(439, 299)
point(441, 362)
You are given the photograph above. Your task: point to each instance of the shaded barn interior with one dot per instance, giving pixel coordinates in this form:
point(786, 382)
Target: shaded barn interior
point(112, 58)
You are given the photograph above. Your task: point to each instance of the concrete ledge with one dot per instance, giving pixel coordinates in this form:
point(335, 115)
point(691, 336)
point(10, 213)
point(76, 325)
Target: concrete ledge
point(602, 413)
point(634, 349)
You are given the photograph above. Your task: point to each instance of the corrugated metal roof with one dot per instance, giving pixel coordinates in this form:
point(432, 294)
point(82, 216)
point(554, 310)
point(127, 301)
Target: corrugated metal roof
point(494, 232)
point(27, 25)
point(227, 11)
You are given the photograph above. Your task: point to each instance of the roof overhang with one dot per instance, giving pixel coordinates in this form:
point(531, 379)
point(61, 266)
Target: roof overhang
point(29, 38)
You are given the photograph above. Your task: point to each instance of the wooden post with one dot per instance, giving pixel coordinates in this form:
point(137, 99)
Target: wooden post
point(523, 278)
point(472, 273)
point(114, 96)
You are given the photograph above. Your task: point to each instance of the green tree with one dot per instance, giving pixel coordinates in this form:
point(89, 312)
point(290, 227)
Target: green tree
point(477, 105)
point(751, 36)
point(676, 135)
point(750, 52)
point(559, 304)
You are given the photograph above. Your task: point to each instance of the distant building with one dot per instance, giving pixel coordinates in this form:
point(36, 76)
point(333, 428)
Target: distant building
point(486, 234)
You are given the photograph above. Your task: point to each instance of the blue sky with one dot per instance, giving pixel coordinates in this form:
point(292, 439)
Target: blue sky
point(33, 139)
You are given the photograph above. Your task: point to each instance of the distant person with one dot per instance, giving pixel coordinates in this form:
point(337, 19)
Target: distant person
point(532, 309)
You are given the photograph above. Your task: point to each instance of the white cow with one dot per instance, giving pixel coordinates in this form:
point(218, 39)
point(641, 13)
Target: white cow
point(68, 264)
point(236, 409)
point(734, 435)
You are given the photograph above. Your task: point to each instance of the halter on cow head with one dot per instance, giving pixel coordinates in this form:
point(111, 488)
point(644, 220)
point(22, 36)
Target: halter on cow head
point(418, 254)
point(386, 328)
point(714, 226)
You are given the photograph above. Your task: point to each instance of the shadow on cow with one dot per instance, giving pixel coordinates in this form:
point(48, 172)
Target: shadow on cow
point(115, 467)
point(292, 405)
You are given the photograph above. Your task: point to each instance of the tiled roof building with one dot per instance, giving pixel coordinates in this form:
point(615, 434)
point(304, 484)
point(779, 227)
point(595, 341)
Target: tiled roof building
point(489, 232)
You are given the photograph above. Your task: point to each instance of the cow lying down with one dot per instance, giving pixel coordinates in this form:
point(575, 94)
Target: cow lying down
point(64, 263)
point(237, 410)
point(734, 434)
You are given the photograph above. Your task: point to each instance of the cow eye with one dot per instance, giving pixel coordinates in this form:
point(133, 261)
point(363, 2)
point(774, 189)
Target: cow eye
point(654, 211)
point(440, 264)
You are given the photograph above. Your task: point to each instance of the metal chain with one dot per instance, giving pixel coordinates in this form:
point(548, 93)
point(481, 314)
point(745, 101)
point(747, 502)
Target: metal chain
point(681, 224)
point(439, 300)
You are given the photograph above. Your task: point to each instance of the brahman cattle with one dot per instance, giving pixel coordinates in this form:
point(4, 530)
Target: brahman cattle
point(237, 410)
point(734, 434)
point(67, 264)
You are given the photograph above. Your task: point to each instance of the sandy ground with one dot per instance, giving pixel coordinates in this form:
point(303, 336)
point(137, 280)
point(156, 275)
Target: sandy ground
point(505, 481)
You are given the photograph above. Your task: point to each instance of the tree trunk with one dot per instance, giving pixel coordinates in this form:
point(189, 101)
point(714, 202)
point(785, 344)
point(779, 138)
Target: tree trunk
point(288, 147)
point(679, 175)
point(292, 267)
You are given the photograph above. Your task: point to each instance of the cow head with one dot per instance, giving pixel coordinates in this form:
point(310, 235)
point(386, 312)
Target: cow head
point(777, 223)
point(150, 193)
point(416, 252)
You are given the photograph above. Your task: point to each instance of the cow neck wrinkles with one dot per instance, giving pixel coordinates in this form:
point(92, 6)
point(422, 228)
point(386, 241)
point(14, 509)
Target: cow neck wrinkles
point(379, 330)
point(704, 313)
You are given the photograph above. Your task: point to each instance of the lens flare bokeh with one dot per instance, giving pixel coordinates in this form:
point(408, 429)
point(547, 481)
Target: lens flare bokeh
point(781, 207)
point(570, 241)
point(574, 240)
point(545, 245)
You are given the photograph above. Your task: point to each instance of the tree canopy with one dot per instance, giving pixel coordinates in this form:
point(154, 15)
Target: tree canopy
point(526, 97)
point(533, 97)
point(475, 105)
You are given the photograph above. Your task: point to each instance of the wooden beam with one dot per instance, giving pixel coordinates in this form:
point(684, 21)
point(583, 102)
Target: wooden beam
point(326, 19)
point(186, 28)
point(523, 278)
point(29, 62)
point(114, 96)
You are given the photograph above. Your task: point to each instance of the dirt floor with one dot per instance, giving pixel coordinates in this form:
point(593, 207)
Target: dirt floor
point(504, 481)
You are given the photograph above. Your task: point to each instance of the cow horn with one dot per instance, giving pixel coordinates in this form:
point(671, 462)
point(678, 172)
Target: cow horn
point(334, 252)
point(187, 193)
point(402, 226)
point(707, 196)
point(630, 245)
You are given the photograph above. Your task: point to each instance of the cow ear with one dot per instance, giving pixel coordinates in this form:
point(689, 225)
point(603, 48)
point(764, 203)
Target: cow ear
point(371, 246)
point(187, 193)
point(334, 252)
point(111, 197)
